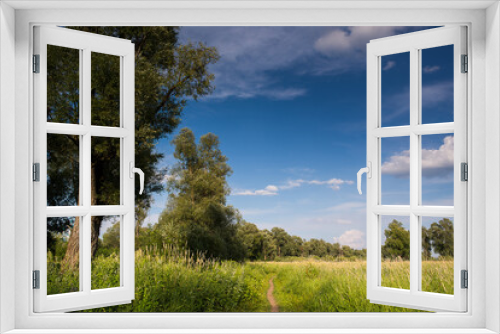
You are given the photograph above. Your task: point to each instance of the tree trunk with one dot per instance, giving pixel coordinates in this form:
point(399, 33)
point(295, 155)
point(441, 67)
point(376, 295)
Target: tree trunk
point(72, 256)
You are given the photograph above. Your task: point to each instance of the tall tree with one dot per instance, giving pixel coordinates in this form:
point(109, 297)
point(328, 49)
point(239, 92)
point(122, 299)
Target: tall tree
point(397, 241)
point(197, 216)
point(442, 237)
point(167, 76)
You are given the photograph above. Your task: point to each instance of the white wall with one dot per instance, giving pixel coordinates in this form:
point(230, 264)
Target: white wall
point(492, 166)
point(7, 161)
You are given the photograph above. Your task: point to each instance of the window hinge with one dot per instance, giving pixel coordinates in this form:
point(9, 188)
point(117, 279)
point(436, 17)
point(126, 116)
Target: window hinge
point(464, 171)
point(465, 64)
point(465, 279)
point(36, 279)
point(36, 172)
point(36, 63)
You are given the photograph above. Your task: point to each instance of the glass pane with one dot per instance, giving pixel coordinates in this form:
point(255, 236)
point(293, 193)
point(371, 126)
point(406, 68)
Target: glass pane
point(395, 251)
point(437, 254)
point(106, 259)
point(105, 89)
point(395, 170)
point(63, 84)
point(437, 84)
point(63, 170)
point(437, 169)
point(105, 171)
point(395, 81)
point(63, 255)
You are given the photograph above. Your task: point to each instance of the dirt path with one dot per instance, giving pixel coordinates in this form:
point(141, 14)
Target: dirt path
point(270, 297)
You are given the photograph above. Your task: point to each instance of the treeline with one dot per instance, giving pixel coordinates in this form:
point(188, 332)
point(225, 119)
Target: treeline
point(277, 243)
point(251, 243)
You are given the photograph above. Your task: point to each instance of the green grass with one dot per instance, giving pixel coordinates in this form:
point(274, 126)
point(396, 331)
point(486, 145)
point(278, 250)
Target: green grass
point(173, 281)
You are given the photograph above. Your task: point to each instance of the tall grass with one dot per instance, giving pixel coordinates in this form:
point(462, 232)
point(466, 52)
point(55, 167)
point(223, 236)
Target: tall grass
point(169, 280)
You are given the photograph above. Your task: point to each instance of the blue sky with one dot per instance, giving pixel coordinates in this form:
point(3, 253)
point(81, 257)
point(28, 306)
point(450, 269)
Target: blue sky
point(290, 111)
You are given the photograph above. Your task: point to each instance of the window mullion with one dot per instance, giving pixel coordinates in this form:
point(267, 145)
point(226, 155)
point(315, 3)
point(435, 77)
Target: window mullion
point(86, 228)
point(414, 164)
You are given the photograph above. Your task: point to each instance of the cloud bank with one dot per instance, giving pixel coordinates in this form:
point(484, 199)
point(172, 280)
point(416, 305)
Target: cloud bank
point(435, 162)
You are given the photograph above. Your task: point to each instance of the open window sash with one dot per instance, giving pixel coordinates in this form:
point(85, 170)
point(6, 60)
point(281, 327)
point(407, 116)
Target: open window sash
point(84, 295)
point(414, 43)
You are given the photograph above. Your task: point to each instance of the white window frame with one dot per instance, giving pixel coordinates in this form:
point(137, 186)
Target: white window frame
point(85, 43)
point(413, 43)
point(483, 21)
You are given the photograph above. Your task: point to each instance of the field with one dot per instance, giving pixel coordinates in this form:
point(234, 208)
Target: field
point(181, 282)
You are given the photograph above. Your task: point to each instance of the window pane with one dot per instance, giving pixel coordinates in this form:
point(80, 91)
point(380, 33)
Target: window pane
point(106, 261)
point(63, 84)
point(63, 272)
point(437, 254)
point(395, 170)
point(395, 77)
point(437, 169)
point(105, 90)
point(105, 171)
point(437, 84)
point(395, 251)
point(63, 170)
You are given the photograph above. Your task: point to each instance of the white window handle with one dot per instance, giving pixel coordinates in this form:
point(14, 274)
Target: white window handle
point(141, 176)
point(368, 171)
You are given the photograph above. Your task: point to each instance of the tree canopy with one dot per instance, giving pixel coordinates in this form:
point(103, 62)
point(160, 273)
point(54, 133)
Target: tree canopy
point(167, 76)
point(397, 241)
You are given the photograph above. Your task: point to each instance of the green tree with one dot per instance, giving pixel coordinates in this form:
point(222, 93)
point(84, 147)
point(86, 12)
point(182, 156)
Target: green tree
point(269, 247)
point(197, 216)
point(167, 76)
point(397, 241)
point(251, 239)
point(442, 237)
point(111, 238)
point(297, 246)
point(283, 241)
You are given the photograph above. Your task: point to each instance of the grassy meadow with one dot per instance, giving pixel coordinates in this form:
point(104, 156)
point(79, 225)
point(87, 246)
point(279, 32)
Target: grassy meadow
point(174, 281)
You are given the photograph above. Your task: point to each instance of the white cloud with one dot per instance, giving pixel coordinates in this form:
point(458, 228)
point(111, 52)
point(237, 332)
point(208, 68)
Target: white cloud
point(353, 238)
point(270, 190)
point(352, 39)
point(431, 69)
point(435, 162)
point(333, 183)
point(390, 64)
point(290, 184)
